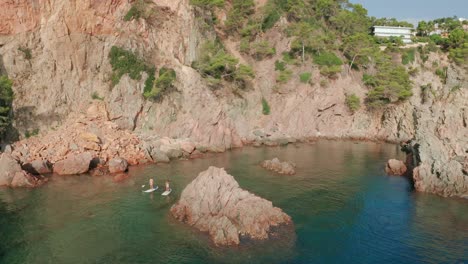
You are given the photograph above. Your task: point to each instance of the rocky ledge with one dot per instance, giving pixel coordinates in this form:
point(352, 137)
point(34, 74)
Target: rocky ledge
point(12, 175)
point(280, 167)
point(215, 203)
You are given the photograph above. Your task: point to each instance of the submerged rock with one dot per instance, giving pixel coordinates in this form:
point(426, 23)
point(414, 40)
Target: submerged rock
point(279, 167)
point(12, 175)
point(74, 164)
point(215, 203)
point(395, 167)
point(118, 165)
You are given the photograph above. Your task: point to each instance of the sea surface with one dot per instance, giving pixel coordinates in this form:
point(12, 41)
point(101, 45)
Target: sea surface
point(345, 210)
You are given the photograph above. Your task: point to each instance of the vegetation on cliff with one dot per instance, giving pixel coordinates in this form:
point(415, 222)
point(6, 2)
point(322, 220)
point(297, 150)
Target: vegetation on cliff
point(455, 42)
point(215, 64)
point(6, 99)
point(326, 33)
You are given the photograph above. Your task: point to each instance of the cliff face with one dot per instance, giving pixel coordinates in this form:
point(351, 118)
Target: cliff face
point(70, 42)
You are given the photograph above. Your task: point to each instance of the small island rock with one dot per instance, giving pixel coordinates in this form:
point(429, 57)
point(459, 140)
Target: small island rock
point(279, 167)
point(215, 203)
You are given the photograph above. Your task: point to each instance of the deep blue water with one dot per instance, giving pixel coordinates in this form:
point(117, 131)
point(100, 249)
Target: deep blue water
point(345, 210)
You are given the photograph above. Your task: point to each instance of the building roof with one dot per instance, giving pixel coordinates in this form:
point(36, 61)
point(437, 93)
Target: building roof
point(393, 27)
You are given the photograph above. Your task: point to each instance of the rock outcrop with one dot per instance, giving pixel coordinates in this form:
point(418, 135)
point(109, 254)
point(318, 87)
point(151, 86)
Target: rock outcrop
point(395, 167)
point(118, 165)
point(280, 167)
point(215, 203)
point(74, 164)
point(38, 167)
point(11, 174)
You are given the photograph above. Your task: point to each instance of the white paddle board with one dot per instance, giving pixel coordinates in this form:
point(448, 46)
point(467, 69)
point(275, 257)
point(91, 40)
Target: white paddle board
point(166, 193)
point(151, 190)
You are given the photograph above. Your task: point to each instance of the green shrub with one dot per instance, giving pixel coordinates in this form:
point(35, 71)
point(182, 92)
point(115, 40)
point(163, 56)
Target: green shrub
point(163, 83)
point(240, 11)
point(330, 71)
point(208, 4)
point(353, 102)
point(327, 59)
point(34, 132)
point(125, 62)
point(265, 107)
point(280, 66)
point(413, 71)
point(244, 46)
point(442, 73)
point(270, 20)
point(216, 64)
point(305, 77)
point(261, 50)
point(289, 59)
point(141, 9)
point(6, 100)
point(95, 96)
point(460, 55)
point(369, 80)
point(391, 85)
point(408, 56)
point(284, 76)
point(27, 52)
point(426, 91)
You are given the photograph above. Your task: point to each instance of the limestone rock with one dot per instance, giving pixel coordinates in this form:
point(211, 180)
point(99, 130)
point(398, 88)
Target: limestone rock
point(215, 203)
point(118, 165)
point(395, 167)
point(74, 164)
point(279, 167)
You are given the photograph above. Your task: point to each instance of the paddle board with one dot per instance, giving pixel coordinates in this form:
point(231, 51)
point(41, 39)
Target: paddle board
point(151, 190)
point(166, 193)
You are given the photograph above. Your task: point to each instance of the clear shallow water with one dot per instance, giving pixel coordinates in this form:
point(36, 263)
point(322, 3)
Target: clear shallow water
point(344, 208)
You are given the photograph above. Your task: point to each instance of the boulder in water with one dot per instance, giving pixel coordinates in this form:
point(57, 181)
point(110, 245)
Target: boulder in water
point(279, 167)
point(12, 175)
point(118, 165)
point(74, 164)
point(215, 203)
point(395, 167)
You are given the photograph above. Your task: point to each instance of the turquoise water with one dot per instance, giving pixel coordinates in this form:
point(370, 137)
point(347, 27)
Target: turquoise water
point(345, 210)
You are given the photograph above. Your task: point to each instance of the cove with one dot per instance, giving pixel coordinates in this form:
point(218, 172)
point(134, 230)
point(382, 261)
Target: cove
point(345, 210)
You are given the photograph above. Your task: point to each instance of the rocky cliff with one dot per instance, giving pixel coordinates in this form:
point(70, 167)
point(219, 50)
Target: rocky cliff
point(69, 42)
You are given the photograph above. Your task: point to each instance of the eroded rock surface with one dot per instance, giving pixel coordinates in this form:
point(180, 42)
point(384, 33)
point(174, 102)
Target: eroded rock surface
point(280, 167)
point(74, 164)
point(215, 203)
point(395, 167)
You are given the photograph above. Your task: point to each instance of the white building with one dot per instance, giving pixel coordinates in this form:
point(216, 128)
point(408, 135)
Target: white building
point(404, 32)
